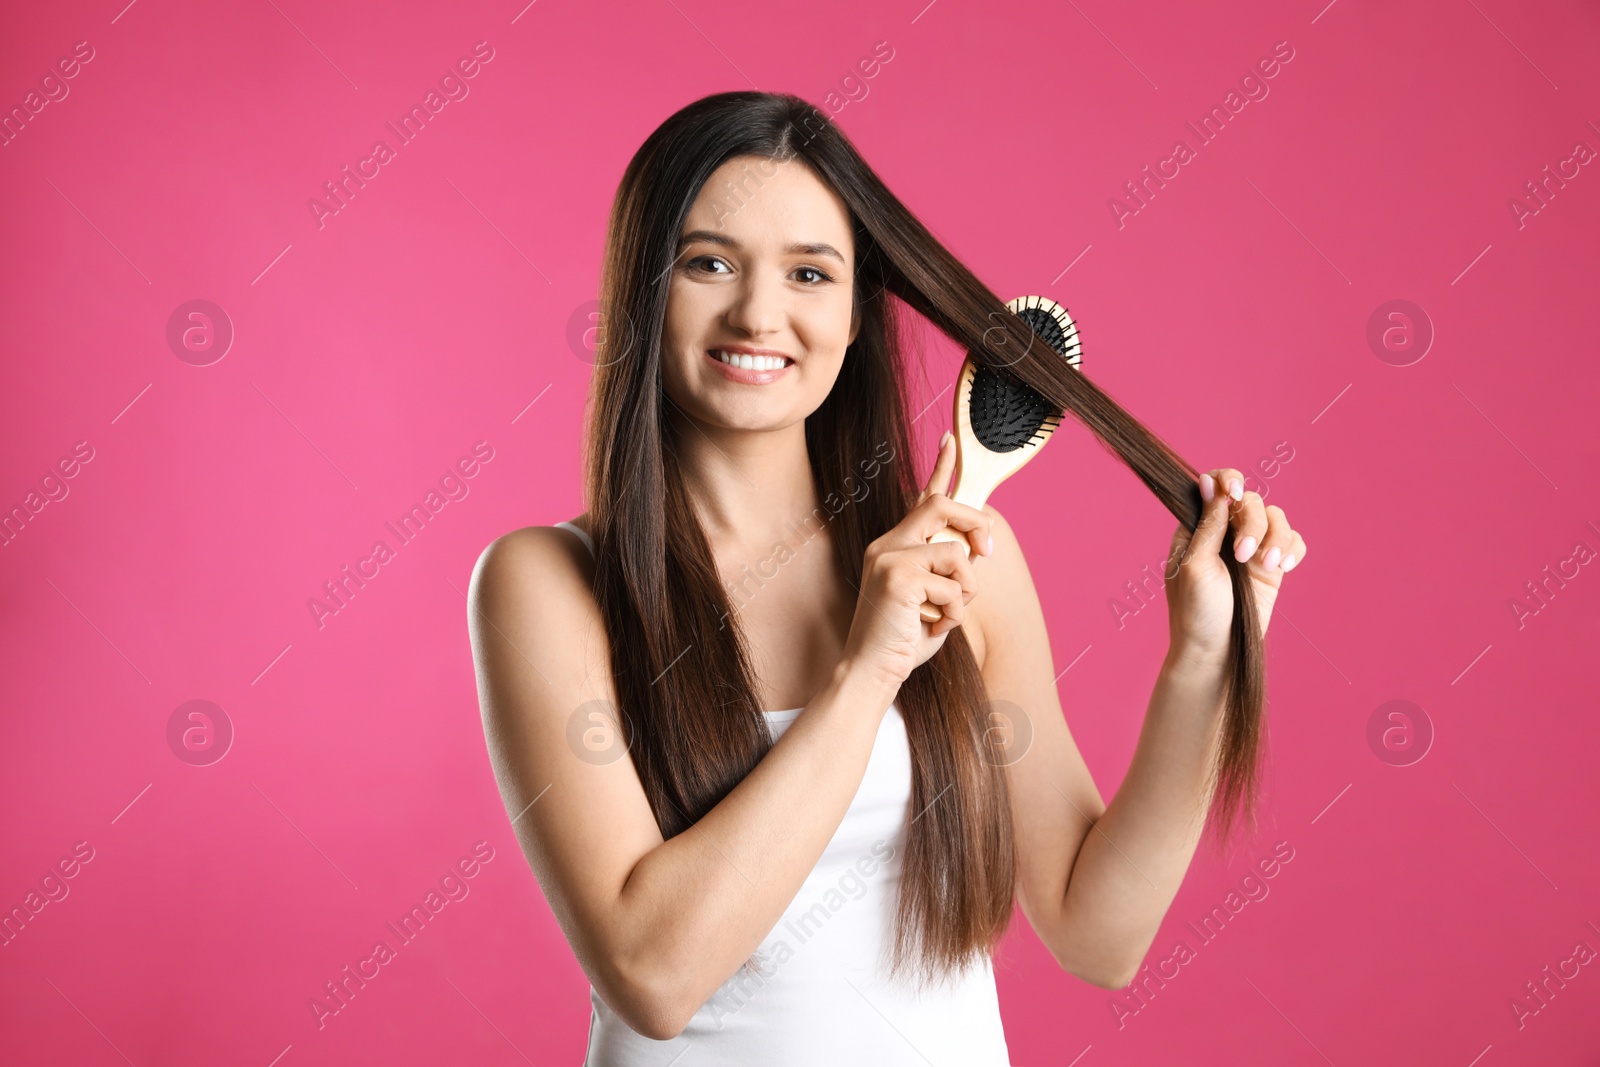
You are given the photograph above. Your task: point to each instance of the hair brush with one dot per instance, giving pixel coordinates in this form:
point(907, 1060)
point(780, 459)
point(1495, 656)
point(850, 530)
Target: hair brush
point(999, 424)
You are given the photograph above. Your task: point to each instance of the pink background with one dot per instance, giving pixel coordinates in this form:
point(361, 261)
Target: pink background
point(1230, 313)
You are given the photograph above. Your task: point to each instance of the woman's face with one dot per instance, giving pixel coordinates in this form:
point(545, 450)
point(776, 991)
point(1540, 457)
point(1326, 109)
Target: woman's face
point(764, 277)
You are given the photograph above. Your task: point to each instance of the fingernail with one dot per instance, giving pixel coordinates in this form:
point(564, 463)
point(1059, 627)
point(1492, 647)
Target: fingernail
point(990, 550)
point(1208, 488)
point(944, 440)
point(1247, 548)
point(1236, 489)
point(1289, 562)
point(1271, 559)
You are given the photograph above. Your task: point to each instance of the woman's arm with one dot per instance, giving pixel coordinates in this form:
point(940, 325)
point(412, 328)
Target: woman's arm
point(1094, 880)
point(657, 926)
point(1131, 864)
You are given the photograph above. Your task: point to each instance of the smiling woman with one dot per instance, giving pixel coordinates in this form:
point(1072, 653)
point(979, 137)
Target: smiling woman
point(744, 282)
point(771, 740)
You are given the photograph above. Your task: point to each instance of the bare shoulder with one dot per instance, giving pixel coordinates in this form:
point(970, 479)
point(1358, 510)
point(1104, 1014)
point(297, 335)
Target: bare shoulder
point(530, 557)
point(532, 586)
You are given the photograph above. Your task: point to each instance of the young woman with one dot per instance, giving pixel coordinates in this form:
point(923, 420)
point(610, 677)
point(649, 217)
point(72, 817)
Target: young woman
point(768, 805)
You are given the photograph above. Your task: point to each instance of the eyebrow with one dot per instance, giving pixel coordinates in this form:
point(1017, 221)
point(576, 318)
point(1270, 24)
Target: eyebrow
point(818, 248)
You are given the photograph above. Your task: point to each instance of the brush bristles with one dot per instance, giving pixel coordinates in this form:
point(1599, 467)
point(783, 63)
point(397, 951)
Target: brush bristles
point(1005, 414)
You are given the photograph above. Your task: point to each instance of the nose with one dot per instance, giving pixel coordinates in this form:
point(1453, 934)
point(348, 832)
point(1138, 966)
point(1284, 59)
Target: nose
point(758, 306)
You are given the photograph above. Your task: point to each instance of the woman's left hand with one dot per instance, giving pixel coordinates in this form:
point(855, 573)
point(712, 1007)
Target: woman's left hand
point(1199, 593)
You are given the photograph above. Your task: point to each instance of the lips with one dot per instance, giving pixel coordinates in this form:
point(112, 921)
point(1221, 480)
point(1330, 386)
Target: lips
point(748, 361)
point(749, 368)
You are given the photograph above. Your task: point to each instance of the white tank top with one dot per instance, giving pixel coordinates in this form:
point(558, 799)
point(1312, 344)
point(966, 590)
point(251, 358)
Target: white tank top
point(818, 991)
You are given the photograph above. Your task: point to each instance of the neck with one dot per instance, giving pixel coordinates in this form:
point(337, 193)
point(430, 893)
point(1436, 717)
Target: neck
point(747, 485)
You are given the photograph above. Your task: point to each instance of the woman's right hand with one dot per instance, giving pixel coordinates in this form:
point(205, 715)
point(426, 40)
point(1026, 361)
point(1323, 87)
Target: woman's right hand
point(902, 570)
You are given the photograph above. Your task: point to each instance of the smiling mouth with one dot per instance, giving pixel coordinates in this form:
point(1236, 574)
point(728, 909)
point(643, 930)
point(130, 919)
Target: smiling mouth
point(748, 362)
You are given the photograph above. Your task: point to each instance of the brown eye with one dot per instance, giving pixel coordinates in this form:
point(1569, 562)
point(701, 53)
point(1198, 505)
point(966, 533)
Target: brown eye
point(818, 273)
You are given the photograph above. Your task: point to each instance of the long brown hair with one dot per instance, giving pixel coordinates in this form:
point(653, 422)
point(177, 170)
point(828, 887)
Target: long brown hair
point(683, 676)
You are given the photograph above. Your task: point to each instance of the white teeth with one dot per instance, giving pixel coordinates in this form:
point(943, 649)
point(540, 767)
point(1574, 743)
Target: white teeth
point(748, 362)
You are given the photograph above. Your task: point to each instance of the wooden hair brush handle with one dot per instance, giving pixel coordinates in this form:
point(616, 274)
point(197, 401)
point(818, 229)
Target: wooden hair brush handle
point(1014, 419)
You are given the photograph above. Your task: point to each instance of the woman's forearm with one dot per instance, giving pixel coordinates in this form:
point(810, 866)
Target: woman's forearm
point(1135, 856)
point(703, 901)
